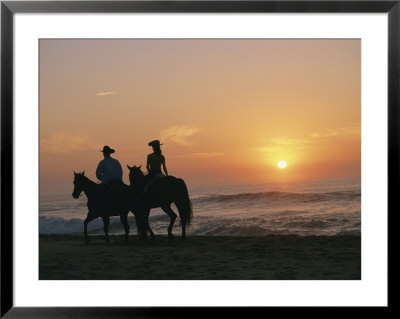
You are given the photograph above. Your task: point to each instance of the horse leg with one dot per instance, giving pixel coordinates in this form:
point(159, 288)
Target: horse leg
point(124, 221)
point(139, 222)
point(147, 227)
point(172, 217)
point(88, 219)
point(140, 214)
point(106, 222)
point(183, 232)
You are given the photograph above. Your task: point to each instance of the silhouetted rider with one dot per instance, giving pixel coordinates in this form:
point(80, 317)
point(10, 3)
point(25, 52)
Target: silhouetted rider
point(109, 170)
point(155, 160)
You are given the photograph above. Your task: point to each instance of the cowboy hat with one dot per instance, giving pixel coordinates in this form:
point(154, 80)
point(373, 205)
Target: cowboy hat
point(155, 143)
point(107, 149)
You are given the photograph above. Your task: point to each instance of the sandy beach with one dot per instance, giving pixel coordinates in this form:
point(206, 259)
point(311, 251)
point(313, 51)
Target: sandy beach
point(63, 257)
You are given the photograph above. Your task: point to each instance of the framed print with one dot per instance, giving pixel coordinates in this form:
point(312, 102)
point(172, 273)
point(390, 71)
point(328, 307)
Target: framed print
point(164, 155)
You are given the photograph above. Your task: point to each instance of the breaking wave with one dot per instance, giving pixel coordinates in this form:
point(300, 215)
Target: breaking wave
point(279, 196)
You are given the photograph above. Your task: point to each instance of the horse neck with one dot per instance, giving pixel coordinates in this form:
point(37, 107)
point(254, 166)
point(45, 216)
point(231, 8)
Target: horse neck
point(90, 187)
point(137, 182)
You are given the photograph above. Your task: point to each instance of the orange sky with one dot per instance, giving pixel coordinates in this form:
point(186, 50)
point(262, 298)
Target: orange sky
point(226, 110)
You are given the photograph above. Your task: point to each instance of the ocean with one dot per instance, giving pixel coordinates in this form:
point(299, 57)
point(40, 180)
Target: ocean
point(315, 208)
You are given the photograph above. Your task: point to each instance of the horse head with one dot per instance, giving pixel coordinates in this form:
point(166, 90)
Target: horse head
point(135, 174)
point(79, 184)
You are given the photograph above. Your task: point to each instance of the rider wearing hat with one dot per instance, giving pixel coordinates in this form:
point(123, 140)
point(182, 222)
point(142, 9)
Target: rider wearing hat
point(109, 169)
point(155, 160)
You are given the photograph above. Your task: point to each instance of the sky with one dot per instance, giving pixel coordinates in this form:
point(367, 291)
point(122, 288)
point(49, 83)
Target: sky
point(226, 111)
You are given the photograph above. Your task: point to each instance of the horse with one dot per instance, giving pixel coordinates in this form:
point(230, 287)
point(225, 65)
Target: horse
point(161, 192)
point(116, 200)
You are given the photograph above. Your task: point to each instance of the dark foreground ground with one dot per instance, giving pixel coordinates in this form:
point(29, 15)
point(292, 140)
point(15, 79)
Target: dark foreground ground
point(200, 257)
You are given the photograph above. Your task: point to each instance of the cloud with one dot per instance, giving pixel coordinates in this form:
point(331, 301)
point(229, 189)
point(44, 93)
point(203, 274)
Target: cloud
point(348, 130)
point(106, 93)
point(200, 155)
point(326, 133)
point(289, 141)
point(66, 142)
point(269, 149)
point(179, 134)
point(282, 143)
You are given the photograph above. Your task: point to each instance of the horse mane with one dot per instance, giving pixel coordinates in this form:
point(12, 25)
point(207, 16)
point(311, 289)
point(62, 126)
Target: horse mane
point(89, 180)
point(137, 169)
point(136, 182)
point(86, 179)
point(140, 171)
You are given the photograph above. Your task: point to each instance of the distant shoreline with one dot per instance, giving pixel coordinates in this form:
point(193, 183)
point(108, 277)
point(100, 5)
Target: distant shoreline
point(275, 257)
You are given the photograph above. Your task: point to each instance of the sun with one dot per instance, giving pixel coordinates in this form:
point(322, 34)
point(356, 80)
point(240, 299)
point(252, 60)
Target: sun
point(282, 164)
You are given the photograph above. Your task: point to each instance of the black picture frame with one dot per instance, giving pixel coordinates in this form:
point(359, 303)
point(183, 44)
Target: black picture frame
point(9, 8)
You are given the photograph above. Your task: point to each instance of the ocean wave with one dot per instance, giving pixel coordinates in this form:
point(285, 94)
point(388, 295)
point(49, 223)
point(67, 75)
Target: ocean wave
point(291, 223)
point(61, 206)
point(58, 225)
point(258, 230)
point(278, 196)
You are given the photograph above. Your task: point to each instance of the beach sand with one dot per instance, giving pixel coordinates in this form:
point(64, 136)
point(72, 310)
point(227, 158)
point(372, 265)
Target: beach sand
point(63, 257)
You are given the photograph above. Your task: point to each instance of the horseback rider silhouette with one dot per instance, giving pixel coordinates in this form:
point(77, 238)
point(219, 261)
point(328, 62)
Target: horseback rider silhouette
point(109, 198)
point(109, 170)
point(155, 160)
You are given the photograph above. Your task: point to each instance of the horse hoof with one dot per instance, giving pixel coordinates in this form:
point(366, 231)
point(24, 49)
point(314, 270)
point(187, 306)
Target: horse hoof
point(170, 236)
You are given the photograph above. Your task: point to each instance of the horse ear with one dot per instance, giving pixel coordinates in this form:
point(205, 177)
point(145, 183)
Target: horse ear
point(74, 173)
point(83, 173)
point(128, 167)
point(139, 166)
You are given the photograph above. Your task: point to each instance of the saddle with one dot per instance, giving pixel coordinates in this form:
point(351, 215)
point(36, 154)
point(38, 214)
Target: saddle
point(149, 182)
point(108, 188)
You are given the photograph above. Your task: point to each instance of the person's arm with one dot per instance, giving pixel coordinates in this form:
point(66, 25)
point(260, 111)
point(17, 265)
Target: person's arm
point(163, 165)
point(120, 169)
point(99, 171)
point(148, 163)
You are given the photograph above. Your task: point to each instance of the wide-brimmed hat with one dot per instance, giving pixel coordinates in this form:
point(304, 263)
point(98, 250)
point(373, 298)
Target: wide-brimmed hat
point(155, 143)
point(106, 149)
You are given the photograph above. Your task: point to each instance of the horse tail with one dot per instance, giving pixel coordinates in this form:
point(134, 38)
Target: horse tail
point(183, 203)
